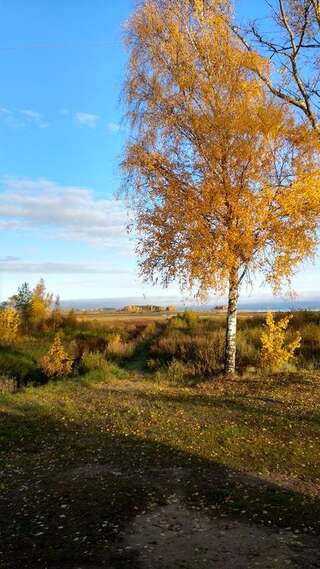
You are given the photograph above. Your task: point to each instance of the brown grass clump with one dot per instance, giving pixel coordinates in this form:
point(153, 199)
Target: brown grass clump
point(8, 385)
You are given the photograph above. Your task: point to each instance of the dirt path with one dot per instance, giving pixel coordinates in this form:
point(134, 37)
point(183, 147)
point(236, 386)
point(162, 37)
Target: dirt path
point(177, 535)
point(174, 536)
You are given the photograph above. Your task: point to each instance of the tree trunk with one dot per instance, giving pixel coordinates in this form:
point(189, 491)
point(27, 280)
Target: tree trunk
point(231, 332)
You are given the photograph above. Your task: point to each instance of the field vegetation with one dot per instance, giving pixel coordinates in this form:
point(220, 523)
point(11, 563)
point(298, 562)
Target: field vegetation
point(185, 348)
point(104, 422)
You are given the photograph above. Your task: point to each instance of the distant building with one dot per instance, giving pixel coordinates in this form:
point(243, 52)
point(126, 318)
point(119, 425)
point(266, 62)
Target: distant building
point(137, 309)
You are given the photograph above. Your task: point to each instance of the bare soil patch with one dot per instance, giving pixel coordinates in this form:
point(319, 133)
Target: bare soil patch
point(174, 536)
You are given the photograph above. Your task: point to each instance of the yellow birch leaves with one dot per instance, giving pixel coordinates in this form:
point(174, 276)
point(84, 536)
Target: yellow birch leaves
point(221, 176)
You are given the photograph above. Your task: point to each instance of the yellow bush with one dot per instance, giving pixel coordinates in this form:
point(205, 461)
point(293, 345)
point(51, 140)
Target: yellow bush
point(116, 347)
point(276, 350)
point(9, 325)
point(57, 362)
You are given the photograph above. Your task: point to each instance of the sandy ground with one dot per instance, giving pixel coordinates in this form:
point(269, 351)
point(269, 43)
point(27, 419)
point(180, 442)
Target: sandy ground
point(176, 536)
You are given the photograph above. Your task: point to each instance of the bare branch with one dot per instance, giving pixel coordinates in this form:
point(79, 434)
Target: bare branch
point(295, 51)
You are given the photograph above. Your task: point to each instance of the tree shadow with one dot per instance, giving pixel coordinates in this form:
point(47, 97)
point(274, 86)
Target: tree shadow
point(242, 404)
point(71, 489)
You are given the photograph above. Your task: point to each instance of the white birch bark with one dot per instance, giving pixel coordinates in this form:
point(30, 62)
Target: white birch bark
point(231, 332)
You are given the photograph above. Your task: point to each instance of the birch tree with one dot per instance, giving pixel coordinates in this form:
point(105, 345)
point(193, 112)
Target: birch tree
point(292, 47)
point(223, 181)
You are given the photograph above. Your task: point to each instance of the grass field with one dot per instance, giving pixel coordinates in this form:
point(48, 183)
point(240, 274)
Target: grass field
point(114, 469)
point(110, 317)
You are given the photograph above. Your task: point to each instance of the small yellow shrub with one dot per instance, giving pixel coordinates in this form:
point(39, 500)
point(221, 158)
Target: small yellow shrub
point(191, 318)
point(177, 323)
point(116, 347)
point(57, 362)
point(149, 331)
point(276, 351)
point(9, 325)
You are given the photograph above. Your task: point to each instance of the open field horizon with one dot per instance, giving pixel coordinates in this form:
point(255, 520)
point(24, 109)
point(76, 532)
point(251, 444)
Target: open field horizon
point(258, 305)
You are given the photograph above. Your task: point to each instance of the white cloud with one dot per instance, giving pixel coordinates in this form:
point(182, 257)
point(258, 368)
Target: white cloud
point(65, 212)
point(31, 115)
point(10, 225)
point(34, 118)
point(15, 265)
point(23, 117)
point(113, 127)
point(10, 259)
point(87, 119)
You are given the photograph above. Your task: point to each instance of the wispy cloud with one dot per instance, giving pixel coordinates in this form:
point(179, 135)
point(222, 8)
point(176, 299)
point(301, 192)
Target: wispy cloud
point(18, 118)
point(11, 118)
point(31, 115)
point(87, 119)
point(15, 265)
point(66, 212)
point(9, 259)
point(23, 117)
point(34, 118)
point(113, 127)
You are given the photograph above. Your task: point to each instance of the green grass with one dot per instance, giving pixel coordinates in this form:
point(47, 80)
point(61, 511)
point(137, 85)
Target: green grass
point(80, 458)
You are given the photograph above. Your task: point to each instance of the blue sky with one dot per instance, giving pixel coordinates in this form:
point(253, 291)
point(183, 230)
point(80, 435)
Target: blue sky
point(62, 65)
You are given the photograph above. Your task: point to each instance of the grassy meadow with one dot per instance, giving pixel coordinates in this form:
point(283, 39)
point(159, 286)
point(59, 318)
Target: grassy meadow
point(145, 423)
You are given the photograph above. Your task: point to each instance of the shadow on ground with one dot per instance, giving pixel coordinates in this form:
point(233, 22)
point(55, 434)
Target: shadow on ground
point(74, 496)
